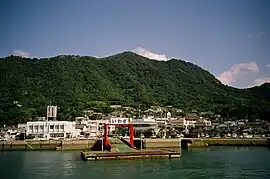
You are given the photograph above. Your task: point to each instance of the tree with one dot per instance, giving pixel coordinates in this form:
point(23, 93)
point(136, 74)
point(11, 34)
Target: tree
point(149, 133)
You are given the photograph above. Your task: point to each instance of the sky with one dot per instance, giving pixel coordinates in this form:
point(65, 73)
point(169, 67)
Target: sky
point(229, 38)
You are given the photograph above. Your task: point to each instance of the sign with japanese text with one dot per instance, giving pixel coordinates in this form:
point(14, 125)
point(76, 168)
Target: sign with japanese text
point(118, 121)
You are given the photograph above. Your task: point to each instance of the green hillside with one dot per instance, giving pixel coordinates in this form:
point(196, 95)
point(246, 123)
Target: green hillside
point(73, 83)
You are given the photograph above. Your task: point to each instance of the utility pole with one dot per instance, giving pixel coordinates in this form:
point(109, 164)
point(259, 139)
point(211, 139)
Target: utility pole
point(141, 142)
point(139, 110)
point(47, 127)
point(102, 143)
point(180, 144)
point(24, 135)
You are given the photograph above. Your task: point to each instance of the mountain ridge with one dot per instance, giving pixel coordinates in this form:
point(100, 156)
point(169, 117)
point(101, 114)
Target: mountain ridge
point(130, 52)
point(72, 82)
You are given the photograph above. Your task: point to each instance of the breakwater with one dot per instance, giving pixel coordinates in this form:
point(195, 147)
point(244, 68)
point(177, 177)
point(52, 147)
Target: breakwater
point(147, 144)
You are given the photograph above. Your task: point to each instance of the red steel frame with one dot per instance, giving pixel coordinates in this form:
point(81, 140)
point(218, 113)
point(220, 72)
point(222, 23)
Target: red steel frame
point(131, 133)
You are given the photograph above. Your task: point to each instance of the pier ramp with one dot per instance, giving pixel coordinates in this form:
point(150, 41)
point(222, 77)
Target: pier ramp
point(119, 146)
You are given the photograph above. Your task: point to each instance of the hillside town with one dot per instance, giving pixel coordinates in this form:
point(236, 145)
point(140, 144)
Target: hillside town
point(155, 122)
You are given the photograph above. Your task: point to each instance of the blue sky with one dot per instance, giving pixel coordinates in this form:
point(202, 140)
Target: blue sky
point(229, 38)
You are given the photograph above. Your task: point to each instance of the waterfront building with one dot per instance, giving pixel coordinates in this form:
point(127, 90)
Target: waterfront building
point(143, 124)
point(51, 129)
point(22, 127)
point(178, 122)
point(190, 120)
point(89, 130)
point(162, 122)
point(11, 133)
point(101, 124)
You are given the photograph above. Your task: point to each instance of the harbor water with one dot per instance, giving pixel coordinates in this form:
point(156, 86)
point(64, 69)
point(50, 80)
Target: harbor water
point(215, 162)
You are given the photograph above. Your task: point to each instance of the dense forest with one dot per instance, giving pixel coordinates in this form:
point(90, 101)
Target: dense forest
point(75, 83)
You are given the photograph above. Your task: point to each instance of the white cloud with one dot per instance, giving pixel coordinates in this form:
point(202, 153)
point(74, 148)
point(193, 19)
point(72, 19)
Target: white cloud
point(237, 71)
point(20, 53)
point(267, 66)
point(261, 81)
point(148, 54)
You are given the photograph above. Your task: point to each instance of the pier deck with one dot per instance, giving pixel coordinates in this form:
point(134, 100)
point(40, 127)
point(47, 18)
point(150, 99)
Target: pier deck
point(144, 154)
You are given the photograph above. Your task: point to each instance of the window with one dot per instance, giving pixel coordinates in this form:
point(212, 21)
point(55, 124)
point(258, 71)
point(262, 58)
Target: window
point(51, 127)
point(30, 128)
point(61, 126)
point(61, 135)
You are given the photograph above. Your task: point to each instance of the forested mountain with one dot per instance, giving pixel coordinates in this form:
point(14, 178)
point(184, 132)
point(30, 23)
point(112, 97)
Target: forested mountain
point(27, 86)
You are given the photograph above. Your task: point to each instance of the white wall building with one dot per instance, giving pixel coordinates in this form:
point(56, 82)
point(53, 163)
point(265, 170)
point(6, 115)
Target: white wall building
point(22, 127)
point(87, 128)
point(51, 129)
point(144, 124)
point(188, 123)
point(162, 121)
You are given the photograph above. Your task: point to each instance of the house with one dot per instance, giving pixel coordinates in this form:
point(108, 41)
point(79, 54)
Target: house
point(116, 106)
point(202, 123)
point(222, 126)
point(178, 122)
point(11, 132)
point(22, 127)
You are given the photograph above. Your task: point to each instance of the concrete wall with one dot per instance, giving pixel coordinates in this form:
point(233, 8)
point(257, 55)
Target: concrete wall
point(161, 143)
point(197, 142)
point(47, 145)
point(235, 142)
point(148, 143)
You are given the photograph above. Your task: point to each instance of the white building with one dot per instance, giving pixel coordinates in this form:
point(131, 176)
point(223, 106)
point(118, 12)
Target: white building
point(144, 124)
point(178, 122)
point(87, 128)
point(101, 124)
point(93, 129)
point(22, 127)
point(188, 123)
point(51, 129)
point(203, 123)
point(11, 133)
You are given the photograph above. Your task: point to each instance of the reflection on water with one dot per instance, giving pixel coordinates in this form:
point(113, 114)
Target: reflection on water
point(214, 162)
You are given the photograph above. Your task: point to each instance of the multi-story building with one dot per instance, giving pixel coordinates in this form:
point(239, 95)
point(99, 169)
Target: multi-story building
point(144, 124)
point(51, 129)
point(178, 122)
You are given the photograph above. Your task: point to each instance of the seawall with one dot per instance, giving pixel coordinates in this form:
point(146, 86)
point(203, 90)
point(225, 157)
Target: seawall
point(198, 142)
point(147, 144)
point(46, 145)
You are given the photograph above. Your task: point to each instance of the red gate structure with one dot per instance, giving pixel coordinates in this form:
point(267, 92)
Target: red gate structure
point(131, 133)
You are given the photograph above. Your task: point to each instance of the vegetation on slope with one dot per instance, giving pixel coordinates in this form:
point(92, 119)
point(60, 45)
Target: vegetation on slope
point(75, 83)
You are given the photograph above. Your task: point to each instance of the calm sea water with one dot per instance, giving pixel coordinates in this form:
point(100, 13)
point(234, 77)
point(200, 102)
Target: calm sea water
point(218, 162)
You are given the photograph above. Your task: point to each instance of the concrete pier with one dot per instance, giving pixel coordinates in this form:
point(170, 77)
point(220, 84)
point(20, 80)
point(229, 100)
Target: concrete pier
point(142, 154)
